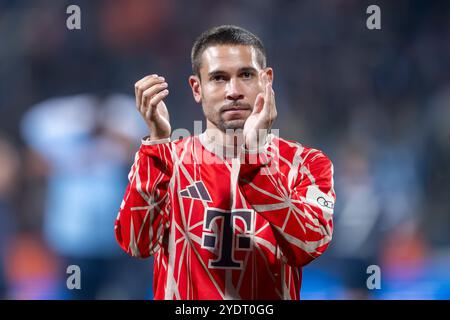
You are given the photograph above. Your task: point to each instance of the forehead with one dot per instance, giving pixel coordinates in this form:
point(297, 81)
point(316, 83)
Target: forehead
point(228, 57)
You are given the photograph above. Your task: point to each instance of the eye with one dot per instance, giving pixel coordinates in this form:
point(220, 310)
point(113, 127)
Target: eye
point(247, 75)
point(218, 78)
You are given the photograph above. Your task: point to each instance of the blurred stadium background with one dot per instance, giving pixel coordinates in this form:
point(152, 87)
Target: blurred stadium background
point(377, 102)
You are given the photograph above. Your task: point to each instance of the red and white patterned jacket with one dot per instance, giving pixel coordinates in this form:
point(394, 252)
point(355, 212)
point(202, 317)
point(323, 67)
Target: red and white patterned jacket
point(227, 228)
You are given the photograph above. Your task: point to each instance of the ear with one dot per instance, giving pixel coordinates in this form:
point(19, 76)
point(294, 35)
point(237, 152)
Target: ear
point(269, 72)
point(194, 82)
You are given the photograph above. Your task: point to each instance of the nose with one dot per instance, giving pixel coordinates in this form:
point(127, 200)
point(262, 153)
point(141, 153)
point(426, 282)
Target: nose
point(233, 90)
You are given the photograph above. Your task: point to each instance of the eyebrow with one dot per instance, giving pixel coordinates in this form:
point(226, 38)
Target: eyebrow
point(248, 69)
point(221, 72)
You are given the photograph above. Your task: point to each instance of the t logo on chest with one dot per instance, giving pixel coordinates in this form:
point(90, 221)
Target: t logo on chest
point(228, 241)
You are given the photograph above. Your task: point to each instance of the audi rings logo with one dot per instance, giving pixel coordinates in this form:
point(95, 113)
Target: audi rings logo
point(325, 203)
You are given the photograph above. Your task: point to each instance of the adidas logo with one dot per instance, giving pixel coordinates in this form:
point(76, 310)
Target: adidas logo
point(196, 190)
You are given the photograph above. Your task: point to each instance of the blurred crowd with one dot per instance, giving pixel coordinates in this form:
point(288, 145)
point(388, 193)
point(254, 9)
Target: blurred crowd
point(376, 101)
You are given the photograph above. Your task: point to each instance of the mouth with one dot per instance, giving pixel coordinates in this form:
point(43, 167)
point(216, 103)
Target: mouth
point(236, 113)
point(236, 109)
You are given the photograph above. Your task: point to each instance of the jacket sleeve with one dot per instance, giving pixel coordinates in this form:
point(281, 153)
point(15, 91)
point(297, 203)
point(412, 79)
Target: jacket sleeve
point(144, 212)
point(300, 214)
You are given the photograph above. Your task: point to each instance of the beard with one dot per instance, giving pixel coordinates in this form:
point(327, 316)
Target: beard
point(218, 118)
point(226, 125)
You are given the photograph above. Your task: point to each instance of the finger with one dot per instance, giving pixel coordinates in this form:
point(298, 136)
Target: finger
point(259, 103)
point(143, 85)
point(157, 98)
point(138, 90)
point(267, 92)
point(269, 106)
point(272, 96)
point(273, 108)
point(150, 92)
point(147, 84)
point(263, 78)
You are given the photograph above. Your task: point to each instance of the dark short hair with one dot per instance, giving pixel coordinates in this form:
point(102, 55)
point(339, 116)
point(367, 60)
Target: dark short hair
point(225, 34)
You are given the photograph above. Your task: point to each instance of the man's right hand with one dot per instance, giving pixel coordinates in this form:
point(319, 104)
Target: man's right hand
point(150, 92)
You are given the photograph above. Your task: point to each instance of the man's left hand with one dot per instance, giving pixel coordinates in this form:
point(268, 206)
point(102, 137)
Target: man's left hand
point(262, 117)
